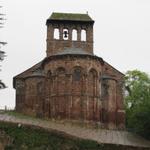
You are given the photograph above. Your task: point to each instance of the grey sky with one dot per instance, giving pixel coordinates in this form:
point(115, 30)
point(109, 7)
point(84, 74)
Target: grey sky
point(121, 34)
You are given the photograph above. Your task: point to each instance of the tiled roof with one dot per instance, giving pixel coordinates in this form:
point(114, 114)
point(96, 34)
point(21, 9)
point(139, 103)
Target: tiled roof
point(73, 51)
point(70, 17)
point(29, 72)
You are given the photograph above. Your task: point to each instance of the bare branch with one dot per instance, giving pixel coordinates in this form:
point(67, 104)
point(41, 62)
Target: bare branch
point(2, 85)
point(3, 43)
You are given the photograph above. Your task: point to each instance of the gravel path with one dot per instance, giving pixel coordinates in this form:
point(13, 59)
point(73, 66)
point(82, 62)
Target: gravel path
point(99, 135)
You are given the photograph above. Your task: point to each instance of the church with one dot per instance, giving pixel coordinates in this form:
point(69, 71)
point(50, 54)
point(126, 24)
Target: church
point(71, 83)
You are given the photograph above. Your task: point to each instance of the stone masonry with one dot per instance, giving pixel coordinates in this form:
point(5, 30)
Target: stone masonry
point(71, 82)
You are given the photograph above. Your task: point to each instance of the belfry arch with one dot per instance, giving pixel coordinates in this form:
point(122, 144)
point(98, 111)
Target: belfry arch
point(92, 82)
point(74, 35)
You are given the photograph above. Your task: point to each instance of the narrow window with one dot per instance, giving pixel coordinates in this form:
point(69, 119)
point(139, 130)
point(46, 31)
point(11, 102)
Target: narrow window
point(83, 35)
point(74, 35)
point(105, 87)
point(77, 74)
point(92, 82)
point(77, 80)
point(65, 34)
point(56, 33)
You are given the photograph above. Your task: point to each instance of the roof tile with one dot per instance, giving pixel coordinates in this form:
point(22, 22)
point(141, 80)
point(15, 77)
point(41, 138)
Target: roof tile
point(70, 17)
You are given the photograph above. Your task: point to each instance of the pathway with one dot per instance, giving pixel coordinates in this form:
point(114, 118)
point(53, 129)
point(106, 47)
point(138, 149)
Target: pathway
point(99, 135)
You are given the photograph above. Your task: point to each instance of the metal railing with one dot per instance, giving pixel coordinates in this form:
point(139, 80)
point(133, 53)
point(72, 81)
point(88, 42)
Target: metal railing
point(6, 108)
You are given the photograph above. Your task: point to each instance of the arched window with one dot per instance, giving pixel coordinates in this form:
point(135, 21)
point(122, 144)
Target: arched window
point(104, 90)
point(65, 34)
point(56, 33)
point(77, 74)
point(92, 82)
point(74, 35)
point(83, 35)
point(77, 80)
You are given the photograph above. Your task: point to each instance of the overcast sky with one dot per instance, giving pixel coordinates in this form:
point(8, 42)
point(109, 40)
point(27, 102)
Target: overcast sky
point(121, 34)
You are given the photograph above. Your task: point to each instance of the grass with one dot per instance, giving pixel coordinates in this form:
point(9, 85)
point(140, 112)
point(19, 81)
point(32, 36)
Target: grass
point(16, 114)
point(20, 115)
point(31, 138)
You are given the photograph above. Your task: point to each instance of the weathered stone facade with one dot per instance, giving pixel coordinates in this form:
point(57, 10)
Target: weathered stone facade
point(71, 82)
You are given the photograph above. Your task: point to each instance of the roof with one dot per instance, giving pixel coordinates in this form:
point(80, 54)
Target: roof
point(70, 17)
point(30, 71)
point(113, 69)
point(78, 51)
point(34, 71)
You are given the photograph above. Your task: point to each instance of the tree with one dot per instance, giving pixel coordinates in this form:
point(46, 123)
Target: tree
point(2, 53)
point(137, 100)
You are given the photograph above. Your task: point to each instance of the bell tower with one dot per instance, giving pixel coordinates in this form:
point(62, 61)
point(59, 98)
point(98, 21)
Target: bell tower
point(67, 30)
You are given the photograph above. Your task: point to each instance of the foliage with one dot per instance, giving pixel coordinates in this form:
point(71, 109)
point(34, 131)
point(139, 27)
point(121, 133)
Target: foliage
point(31, 138)
point(2, 53)
point(137, 102)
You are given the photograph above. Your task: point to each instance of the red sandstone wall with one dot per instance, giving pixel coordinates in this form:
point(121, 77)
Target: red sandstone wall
point(54, 46)
point(61, 95)
point(74, 99)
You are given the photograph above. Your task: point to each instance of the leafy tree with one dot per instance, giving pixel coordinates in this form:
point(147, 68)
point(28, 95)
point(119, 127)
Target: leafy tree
point(2, 53)
point(137, 102)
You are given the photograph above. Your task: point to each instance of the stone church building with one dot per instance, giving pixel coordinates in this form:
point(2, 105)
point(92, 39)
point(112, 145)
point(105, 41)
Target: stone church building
point(72, 83)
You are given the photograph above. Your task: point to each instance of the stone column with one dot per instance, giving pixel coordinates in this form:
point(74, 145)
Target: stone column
point(87, 98)
point(20, 95)
point(50, 35)
point(97, 101)
point(84, 98)
point(61, 33)
point(50, 32)
point(68, 95)
point(70, 34)
point(120, 106)
point(112, 104)
point(79, 34)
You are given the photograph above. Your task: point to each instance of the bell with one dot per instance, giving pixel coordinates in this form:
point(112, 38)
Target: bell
point(65, 34)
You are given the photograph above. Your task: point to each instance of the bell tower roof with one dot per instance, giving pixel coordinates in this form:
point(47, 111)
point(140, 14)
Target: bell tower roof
point(75, 17)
